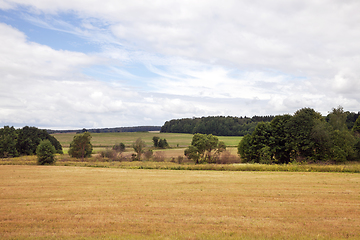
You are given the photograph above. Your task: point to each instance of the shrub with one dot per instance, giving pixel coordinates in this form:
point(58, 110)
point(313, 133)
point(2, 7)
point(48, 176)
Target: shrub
point(159, 157)
point(119, 147)
point(139, 146)
point(148, 154)
point(227, 158)
point(45, 152)
point(110, 154)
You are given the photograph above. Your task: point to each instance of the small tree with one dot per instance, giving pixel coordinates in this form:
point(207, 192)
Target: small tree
point(139, 146)
point(81, 147)
point(45, 152)
point(163, 143)
point(156, 141)
point(119, 147)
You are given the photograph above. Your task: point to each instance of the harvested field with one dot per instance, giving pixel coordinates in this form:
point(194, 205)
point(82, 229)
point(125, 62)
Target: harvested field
point(74, 202)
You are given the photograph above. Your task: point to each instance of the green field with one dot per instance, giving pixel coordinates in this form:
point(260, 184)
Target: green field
point(110, 139)
point(55, 202)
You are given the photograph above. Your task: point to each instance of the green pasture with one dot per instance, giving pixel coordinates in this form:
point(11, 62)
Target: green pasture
point(109, 139)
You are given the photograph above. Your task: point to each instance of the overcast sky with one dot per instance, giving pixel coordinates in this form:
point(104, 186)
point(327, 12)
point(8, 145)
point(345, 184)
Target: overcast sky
point(73, 64)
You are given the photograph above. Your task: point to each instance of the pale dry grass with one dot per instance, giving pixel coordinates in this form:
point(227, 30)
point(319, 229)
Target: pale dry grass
point(73, 202)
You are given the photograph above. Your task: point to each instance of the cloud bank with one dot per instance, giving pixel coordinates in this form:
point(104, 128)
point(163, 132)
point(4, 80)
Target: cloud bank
point(127, 63)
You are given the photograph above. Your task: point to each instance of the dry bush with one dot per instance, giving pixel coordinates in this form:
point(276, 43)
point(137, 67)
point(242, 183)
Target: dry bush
point(227, 158)
point(159, 157)
point(110, 154)
point(180, 159)
point(148, 154)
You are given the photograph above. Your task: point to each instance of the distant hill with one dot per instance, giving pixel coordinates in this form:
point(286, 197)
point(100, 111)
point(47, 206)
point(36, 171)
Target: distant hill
point(109, 130)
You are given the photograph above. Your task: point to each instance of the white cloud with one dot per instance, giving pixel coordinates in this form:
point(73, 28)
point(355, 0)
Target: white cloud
point(206, 58)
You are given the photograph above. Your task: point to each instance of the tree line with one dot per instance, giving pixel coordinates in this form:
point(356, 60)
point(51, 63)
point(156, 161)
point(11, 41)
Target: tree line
point(24, 141)
point(304, 136)
point(215, 125)
point(109, 130)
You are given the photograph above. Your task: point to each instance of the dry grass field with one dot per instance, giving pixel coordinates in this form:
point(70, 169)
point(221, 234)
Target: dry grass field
point(55, 202)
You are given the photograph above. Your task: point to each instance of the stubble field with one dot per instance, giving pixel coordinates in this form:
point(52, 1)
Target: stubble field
point(74, 202)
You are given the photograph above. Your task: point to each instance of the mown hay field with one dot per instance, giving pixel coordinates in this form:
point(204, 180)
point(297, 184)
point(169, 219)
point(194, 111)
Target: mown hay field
point(74, 202)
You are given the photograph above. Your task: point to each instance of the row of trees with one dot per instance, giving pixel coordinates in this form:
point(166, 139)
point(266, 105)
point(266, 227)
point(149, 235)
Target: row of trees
point(220, 126)
point(159, 142)
point(304, 136)
point(108, 130)
point(230, 126)
point(24, 141)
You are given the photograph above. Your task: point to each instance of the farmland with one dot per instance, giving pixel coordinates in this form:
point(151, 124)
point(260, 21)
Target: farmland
point(73, 202)
point(109, 139)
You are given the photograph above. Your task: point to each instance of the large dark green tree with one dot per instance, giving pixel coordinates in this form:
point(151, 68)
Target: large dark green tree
point(299, 129)
point(281, 147)
point(8, 141)
point(81, 147)
point(259, 146)
point(24, 141)
point(29, 138)
point(45, 152)
point(356, 127)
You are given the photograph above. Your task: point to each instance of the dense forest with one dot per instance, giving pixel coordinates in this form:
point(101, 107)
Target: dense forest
point(219, 126)
point(230, 126)
point(24, 141)
point(304, 136)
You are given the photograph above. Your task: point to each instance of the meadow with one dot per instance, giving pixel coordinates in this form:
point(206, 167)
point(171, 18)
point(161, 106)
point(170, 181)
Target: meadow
point(109, 139)
point(54, 202)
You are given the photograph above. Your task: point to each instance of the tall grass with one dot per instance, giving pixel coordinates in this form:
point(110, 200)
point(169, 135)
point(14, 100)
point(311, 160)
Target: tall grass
point(166, 164)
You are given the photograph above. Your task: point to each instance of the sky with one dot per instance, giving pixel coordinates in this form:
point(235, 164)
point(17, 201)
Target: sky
point(75, 64)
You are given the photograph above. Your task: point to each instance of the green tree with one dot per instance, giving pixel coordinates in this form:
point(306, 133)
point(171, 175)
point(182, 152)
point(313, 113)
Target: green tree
point(204, 148)
point(343, 146)
point(81, 147)
point(119, 147)
point(139, 146)
point(29, 138)
point(356, 127)
point(299, 129)
point(192, 153)
point(322, 140)
point(163, 143)
point(155, 140)
point(45, 152)
point(281, 147)
point(8, 142)
point(244, 149)
point(337, 119)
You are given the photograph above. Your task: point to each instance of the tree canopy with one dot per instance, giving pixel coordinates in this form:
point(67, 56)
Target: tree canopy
point(45, 152)
point(81, 147)
point(204, 148)
point(24, 141)
point(304, 136)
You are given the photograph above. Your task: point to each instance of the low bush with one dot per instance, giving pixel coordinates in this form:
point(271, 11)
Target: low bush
point(159, 157)
point(227, 158)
